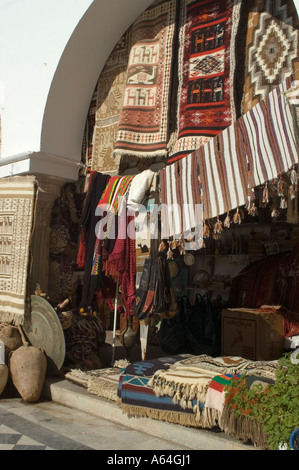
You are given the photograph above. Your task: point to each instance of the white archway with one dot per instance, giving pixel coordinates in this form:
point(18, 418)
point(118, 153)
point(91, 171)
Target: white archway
point(78, 71)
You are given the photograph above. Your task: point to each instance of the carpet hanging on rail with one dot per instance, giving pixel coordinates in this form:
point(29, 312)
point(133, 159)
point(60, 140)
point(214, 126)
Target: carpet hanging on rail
point(206, 104)
point(109, 99)
point(143, 124)
point(271, 51)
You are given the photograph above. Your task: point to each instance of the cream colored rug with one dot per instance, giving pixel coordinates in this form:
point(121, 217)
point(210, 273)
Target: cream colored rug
point(17, 208)
point(100, 382)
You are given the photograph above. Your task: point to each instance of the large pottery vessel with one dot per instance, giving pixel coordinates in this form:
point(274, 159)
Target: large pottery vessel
point(28, 367)
point(3, 377)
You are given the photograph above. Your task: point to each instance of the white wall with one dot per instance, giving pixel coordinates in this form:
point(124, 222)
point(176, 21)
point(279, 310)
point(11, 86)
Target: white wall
point(33, 35)
point(51, 54)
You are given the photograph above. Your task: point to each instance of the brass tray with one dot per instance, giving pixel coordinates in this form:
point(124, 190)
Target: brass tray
point(44, 331)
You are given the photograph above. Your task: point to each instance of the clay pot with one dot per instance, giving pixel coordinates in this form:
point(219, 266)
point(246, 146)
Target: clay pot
point(11, 338)
point(28, 367)
point(3, 377)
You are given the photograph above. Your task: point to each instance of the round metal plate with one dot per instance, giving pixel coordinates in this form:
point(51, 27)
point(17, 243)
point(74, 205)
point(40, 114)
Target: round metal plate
point(189, 259)
point(173, 268)
point(45, 332)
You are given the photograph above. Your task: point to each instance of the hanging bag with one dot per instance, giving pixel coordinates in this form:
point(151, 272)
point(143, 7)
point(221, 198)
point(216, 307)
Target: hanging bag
point(149, 300)
point(165, 303)
point(142, 290)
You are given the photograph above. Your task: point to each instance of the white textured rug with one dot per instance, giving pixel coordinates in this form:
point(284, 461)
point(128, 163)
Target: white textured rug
point(17, 208)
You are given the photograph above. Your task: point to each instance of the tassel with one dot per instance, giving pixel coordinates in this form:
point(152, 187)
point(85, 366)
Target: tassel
point(283, 203)
point(253, 210)
point(294, 178)
point(237, 217)
point(265, 198)
point(169, 253)
point(227, 221)
point(274, 213)
point(280, 192)
point(217, 229)
point(292, 192)
point(206, 231)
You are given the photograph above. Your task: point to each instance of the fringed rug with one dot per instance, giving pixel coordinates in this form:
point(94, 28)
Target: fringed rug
point(188, 380)
point(109, 100)
point(223, 173)
point(180, 193)
point(269, 137)
point(17, 210)
point(243, 425)
point(136, 397)
point(271, 53)
point(206, 105)
point(100, 382)
point(143, 125)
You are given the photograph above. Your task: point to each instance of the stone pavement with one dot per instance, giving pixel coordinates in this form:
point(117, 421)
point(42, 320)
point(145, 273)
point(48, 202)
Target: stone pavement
point(50, 426)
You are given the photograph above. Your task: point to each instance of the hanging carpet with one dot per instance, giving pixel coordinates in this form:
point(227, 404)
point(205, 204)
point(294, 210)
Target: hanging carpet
point(17, 211)
point(269, 136)
point(271, 52)
point(180, 197)
point(223, 173)
point(109, 100)
point(206, 105)
point(143, 124)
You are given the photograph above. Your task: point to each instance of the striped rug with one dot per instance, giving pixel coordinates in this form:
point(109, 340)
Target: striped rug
point(180, 197)
point(17, 208)
point(269, 137)
point(223, 172)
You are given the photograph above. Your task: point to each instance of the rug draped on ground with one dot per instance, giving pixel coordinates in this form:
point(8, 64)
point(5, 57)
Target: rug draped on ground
point(137, 397)
point(189, 379)
point(17, 211)
point(100, 382)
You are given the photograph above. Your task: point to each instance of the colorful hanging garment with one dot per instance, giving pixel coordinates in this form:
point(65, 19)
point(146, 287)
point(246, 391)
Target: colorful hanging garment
point(223, 173)
point(109, 206)
point(114, 191)
point(143, 125)
point(121, 263)
point(271, 51)
point(180, 197)
point(88, 221)
point(208, 38)
point(269, 137)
